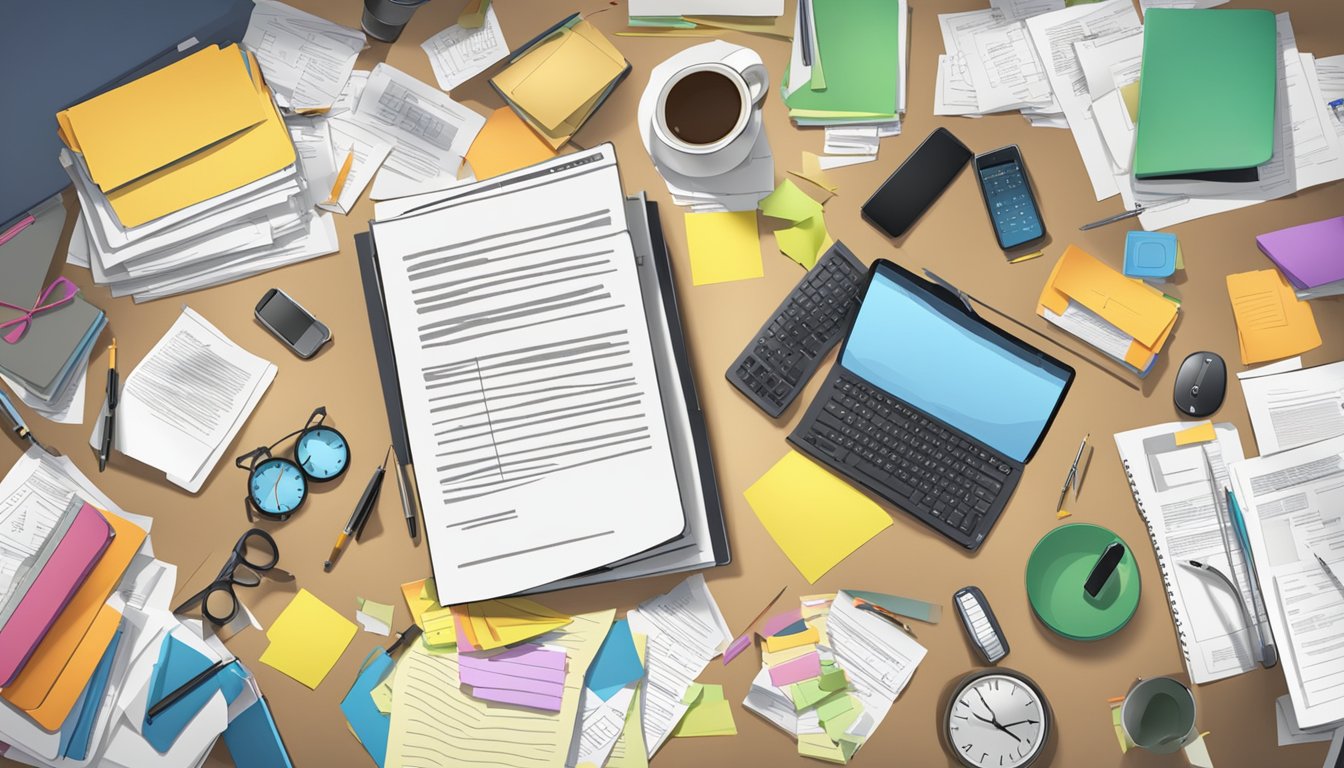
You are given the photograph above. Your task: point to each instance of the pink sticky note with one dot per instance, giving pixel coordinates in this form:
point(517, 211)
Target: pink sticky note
point(797, 670)
point(736, 647)
point(533, 655)
point(780, 621)
point(479, 678)
point(510, 669)
point(520, 698)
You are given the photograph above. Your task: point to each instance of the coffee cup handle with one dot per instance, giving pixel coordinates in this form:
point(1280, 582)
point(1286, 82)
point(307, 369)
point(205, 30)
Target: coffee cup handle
point(758, 80)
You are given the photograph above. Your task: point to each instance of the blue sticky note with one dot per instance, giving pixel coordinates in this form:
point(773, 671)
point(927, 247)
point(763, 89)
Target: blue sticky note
point(177, 664)
point(75, 736)
point(370, 725)
point(792, 629)
point(616, 664)
point(1150, 255)
point(254, 740)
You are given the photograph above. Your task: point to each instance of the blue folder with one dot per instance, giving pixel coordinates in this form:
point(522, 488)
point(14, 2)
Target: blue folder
point(58, 53)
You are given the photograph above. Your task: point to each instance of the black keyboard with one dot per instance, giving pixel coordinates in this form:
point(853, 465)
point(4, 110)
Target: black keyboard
point(787, 350)
point(937, 474)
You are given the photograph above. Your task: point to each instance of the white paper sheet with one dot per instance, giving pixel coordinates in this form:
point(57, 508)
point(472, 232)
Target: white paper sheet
point(428, 131)
point(305, 58)
point(878, 658)
point(317, 163)
point(370, 152)
point(457, 54)
point(1294, 408)
point(1025, 9)
point(184, 402)
point(599, 726)
point(1144, 5)
point(1285, 720)
point(685, 630)
point(1005, 69)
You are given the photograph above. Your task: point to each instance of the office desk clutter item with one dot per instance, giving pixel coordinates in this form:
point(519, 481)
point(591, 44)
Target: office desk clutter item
point(461, 52)
point(557, 80)
point(254, 555)
point(185, 401)
point(1151, 256)
point(652, 453)
point(306, 58)
point(848, 66)
point(711, 185)
point(1201, 383)
point(1296, 406)
point(723, 247)
point(808, 239)
point(1271, 321)
point(277, 486)
point(307, 639)
point(1129, 320)
point(947, 448)
point(1057, 572)
point(1309, 256)
point(1168, 466)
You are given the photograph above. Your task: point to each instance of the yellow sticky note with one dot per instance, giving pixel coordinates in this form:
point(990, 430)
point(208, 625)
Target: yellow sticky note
point(382, 696)
point(497, 623)
point(1120, 735)
point(1201, 433)
point(724, 247)
point(814, 516)
point(812, 172)
point(1197, 752)
point(440, 629)
point(1130, 95)
point(790, 203)
point(777, 643)
point(1271, 321)
point(806, 241)
point(505, 144)
point(307, 639)
point(820, 747)
point(420, 596)
point(709, 715)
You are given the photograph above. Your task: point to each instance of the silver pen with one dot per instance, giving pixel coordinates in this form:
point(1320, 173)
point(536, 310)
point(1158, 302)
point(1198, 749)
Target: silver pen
point(1137, 210)
point(1072, 477)
point(1269, 654)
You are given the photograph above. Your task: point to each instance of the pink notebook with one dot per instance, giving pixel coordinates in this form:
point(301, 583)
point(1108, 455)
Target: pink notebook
point(76, 554)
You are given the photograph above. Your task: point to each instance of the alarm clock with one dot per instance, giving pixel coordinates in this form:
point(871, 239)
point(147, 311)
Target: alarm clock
point(996, 717)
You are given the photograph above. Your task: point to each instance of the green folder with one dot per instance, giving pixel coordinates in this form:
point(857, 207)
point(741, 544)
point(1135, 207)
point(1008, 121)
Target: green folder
point(859, 42)
point(1206, 95)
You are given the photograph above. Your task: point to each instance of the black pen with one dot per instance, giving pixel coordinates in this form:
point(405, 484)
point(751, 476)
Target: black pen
point(110, 418)
point(407, 505)
point(186, 688)
point(363, 510)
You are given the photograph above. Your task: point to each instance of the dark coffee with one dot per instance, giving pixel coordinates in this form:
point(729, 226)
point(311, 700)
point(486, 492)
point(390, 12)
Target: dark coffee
point(702, 107)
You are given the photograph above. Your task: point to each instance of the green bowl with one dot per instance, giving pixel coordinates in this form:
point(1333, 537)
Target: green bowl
point(1058, 568)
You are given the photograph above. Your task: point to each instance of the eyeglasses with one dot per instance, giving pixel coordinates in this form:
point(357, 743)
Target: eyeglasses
point(254, 554)
point(276, 486)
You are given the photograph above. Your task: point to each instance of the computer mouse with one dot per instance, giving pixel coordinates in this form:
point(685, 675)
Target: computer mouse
point(1201, 383)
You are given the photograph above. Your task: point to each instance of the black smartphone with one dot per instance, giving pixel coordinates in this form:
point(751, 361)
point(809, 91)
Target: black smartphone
point(293, 325)
point(909, 192)
point(1006, 188)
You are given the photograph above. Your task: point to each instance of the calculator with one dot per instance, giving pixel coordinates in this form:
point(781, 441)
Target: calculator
point(1007, 193)
point(978, 620)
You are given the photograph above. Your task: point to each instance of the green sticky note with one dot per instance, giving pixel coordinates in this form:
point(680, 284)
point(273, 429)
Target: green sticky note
point(382, 696)
point(790, 203)
point(710, 713)
point(834, 680)
point(809, 693)
point(834, 706)
point(380, 611)
point(835, 726)
point(806, 241)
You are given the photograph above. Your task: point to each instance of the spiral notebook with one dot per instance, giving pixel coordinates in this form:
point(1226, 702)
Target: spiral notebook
point(1168, 468)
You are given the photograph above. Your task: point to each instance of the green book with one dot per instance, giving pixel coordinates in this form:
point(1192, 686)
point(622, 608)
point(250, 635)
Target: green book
point(1206, 91)
point(858, 41)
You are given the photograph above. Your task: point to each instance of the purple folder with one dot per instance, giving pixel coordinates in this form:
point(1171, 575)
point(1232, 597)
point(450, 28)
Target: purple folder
point(76, 554)
point(1308, 255)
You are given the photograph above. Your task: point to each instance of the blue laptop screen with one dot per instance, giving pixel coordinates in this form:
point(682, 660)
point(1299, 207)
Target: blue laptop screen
point(949, 365)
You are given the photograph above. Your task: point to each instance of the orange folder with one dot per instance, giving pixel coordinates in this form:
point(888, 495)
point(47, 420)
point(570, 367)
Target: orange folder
point(58, 671)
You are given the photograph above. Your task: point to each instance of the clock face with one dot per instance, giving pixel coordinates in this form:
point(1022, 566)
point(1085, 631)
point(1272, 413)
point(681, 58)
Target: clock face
point(997, 721)
point(322, 452)
point(277, 486)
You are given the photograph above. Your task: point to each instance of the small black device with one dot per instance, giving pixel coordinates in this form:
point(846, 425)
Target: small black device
point(1006, 188)
point(909, 192)
point(1101, 572)
point(932, 407)
point(788, 349)
point(980, 624)
point(1201, 383)
point(291, 324)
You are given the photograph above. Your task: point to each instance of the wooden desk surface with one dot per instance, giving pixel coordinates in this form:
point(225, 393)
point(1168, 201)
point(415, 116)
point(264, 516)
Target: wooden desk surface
point(954, 238)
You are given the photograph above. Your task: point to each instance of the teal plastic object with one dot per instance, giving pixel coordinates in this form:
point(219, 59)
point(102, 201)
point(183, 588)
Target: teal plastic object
point(1056, 571)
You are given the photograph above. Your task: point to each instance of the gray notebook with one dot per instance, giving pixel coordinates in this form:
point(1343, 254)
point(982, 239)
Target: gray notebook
point(26, 257)
point(43, 359)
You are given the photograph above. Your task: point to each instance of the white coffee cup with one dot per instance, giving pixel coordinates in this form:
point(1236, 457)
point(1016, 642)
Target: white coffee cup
point(716, 139)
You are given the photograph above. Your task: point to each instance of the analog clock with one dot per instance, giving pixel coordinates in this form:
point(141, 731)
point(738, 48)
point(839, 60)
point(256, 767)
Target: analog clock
point(996, 718)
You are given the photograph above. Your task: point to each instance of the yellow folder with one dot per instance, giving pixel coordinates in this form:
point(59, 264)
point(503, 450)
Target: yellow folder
point(57, 672)
point(162, 117)
point(1136, 308)
point(560, 79)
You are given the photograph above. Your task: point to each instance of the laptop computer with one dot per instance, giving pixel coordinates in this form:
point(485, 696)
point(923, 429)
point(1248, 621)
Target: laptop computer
point(931, 407)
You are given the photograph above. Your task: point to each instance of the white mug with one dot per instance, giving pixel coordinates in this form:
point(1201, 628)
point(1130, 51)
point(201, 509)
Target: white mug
point(743, 68)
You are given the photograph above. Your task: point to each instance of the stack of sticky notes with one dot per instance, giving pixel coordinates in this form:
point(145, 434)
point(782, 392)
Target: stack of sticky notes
point(1152, 256)
point(526, 675)
point(492, 624)
point(709, 713)
point(1129, 320)
point(187, 178)
point(559, 79)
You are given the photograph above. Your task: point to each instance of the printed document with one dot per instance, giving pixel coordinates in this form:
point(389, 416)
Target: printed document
point(1294, 408)
point(527, 375)
point(305, 58)
point(182, 405)
point(458, 54)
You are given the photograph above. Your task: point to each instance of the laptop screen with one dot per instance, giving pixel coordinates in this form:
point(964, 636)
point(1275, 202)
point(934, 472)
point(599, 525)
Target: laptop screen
point(950, 365)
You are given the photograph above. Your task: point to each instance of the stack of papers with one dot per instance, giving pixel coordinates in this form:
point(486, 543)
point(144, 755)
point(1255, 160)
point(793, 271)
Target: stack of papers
point(1291, 406)
point(991, 65)
point(306, 59)
point(743, 15)
point(183, 404)
point(1127, 319)
point(849, 66)
point(81, 698)
point(1308, 255)
point(560, 79)
point(830, 673)
point(187, 178)
point(48, 330)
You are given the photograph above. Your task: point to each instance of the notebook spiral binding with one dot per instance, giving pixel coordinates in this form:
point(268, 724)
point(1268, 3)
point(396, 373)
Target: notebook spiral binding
point(1161, 566)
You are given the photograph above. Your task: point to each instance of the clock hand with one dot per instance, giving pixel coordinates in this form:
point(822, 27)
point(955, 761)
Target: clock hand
point(987, 707)
point(995, 723)
point(1021, 722)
